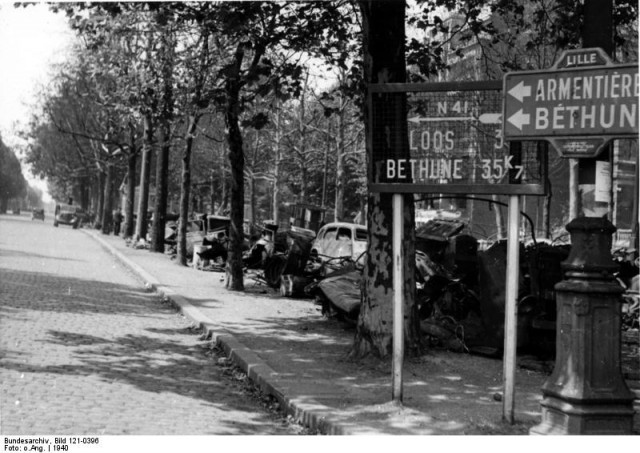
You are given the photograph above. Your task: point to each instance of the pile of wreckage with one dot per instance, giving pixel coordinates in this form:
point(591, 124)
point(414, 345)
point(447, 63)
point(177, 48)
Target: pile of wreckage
point(460, 289)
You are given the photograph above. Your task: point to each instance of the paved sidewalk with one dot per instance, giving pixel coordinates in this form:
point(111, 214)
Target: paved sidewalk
point(292, 352)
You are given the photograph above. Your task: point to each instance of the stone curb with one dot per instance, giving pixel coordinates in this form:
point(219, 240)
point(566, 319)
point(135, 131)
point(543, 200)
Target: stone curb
point(256, 369)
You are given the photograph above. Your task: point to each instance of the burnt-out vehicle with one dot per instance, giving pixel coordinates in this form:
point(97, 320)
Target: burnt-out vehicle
point(202, 231)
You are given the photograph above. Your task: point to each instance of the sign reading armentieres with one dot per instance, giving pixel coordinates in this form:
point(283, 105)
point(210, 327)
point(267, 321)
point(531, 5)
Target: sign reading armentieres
point(580, 104)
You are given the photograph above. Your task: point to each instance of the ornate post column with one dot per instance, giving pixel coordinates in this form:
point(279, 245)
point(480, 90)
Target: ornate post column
point(587, 394)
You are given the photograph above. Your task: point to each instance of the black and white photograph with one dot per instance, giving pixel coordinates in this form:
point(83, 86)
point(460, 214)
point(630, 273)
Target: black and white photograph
point(342, 224)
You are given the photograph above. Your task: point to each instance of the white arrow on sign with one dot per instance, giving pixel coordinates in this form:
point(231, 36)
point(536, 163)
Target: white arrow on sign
point(519, 119)
point(520, 91)
point(490, 118)
point(485, 118)
point(417, 119)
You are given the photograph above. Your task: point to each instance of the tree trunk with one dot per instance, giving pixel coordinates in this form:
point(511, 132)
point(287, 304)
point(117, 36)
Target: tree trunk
point(84, 193)
point(252, 199)
point(162, 165)
point(212, 192)
point(132, 163)
point(145, 173)
point(107, 210)
point(546, 205)
point(325, 173)
point(236, 159)
point(224, 196)
point(185, 190)
point(384, 36)
point(341, 175)
point(252, 183)
point(100, 193)
point(276, 166)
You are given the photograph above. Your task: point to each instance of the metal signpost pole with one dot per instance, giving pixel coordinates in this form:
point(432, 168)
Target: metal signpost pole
point(511, 309)
point(398, 297)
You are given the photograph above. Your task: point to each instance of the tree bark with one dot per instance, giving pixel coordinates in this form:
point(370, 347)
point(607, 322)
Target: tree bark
point(384, 62)
point(185, 191)
point(234, 270)
point(302, 146)
point(325, 171)
point(132, 163)
point(162, 165)
point(276, 166)
point(107, 210)
point(100, 193)
point(145, 173)
point(341, 175)
point(84, 193)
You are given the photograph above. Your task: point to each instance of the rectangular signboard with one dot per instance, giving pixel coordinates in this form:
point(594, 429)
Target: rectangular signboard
point(580, 102)
point(451, 142)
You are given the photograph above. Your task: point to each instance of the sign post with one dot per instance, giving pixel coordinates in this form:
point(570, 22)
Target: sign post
point(398, 297)
point(511, 310)
point(456, 146)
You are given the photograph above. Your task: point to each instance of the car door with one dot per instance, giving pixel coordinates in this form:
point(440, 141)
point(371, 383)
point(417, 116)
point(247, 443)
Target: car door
point(359, 243)
point(343, 244)
point(325, 244)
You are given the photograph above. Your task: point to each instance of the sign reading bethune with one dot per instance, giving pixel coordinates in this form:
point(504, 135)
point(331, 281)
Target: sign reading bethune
point(451, 142)
point(580, 104)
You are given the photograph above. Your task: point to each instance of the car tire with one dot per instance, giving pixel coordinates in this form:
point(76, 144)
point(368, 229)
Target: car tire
point(55, 224)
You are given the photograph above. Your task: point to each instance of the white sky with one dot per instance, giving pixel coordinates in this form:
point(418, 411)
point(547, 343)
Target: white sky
point(31, 40)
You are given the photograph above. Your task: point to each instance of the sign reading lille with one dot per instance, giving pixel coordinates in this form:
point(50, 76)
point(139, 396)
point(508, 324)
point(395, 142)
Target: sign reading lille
point(580, 104)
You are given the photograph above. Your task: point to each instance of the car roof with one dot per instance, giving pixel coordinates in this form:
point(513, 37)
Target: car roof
point(345, 225)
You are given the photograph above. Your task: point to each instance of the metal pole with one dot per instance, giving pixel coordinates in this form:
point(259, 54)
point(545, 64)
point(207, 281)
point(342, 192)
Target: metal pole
point(511, 309)
point(398, 297)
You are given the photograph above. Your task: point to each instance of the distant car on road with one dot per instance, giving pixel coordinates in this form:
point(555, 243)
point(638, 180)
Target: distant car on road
point(66, 214)
point(340, 240)
point(37, 214)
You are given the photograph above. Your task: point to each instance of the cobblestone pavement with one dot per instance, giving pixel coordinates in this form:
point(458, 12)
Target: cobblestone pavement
point(85, 350)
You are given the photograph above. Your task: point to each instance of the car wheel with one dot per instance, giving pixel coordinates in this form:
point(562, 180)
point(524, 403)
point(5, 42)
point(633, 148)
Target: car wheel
point(55, 224)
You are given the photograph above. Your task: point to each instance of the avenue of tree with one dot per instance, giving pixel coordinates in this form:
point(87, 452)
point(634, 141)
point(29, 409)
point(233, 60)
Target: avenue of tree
point(224, 105)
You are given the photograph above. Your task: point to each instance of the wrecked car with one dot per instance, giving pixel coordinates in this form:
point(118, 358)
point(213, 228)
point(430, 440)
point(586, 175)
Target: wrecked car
point(339, 239)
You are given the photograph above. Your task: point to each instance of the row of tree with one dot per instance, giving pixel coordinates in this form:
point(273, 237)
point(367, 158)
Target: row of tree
point(219, 98)
point(13, 185)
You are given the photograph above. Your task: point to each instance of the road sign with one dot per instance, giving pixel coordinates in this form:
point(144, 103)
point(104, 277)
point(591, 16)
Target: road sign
point(580, 104)
point(451, 142)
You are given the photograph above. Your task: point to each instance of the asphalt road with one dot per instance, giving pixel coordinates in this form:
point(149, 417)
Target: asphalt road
point(85, 350)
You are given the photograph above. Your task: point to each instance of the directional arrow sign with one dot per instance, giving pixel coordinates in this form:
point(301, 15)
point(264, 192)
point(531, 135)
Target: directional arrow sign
point(519, 119)
point(584, 95)
point(520, 91)
point(485, 118)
